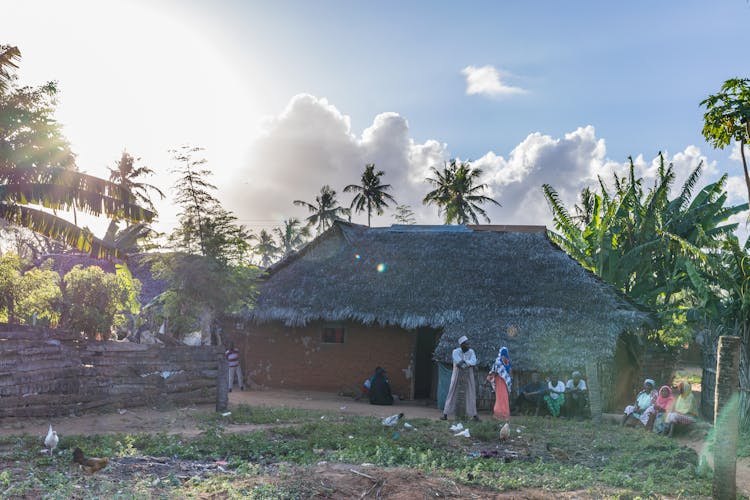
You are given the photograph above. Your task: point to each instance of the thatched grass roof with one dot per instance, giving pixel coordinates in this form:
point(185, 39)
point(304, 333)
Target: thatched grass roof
point(497, 285)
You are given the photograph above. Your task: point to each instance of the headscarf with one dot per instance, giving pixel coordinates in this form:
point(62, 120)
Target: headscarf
point(650, 381)
point(502, 368)
point(663, 402)
point(684, 402)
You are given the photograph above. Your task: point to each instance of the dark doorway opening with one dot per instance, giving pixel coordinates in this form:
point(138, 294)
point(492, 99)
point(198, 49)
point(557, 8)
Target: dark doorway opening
point(425, 370)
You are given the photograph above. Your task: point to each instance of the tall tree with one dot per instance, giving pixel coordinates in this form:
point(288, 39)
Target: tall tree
point(727, 118)
point(458, 193)
point(371, 194)
point(126, 174)
point(324, 210)
point(38, 172)
point(209, 271)
point(266, 248)
point(291, 235)
point(403, 214)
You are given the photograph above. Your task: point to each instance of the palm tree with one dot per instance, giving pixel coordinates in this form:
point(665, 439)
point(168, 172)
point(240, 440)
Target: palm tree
point(9, 55)
point(38, 172)
point(266, 248)
point(292, 235)
point(324, 210)
point(371, 194)
point(458, 194)
point(125, 174)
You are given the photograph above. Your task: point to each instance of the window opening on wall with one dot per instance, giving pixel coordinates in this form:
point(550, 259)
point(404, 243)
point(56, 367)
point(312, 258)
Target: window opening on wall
point(333, 334)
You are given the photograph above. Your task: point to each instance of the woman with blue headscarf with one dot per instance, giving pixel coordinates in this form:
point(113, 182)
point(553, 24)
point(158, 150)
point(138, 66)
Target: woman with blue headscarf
point(501, 379)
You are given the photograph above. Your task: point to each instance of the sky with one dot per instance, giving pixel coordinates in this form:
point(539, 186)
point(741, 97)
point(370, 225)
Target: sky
point(287, 96)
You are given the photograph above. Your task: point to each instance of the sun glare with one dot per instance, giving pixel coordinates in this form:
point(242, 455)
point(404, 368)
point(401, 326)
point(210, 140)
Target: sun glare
point(134, 76)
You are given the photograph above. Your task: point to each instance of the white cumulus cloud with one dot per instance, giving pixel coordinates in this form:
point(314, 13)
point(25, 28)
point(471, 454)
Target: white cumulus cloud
point(486, 80)
point(311, 143)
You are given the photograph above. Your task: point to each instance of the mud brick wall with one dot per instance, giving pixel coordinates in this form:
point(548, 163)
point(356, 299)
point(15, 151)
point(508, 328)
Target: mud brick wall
point(297, 358)
point(47, 372)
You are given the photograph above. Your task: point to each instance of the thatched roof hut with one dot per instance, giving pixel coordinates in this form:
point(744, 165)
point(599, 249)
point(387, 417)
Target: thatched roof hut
point(499, 285)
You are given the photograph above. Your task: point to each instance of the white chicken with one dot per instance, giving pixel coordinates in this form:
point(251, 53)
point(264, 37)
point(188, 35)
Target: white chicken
point(51, 440)
point(505, 432)
point(457, 427)
point(464, 433)
point(392, 420)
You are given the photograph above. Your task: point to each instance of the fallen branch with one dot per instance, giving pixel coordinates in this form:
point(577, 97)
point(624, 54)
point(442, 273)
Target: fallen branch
point(362, 474)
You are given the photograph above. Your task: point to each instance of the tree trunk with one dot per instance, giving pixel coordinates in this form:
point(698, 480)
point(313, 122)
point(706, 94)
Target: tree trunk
point(744, 165)
point(222, 384)
point(726, 418)
point(206, 320)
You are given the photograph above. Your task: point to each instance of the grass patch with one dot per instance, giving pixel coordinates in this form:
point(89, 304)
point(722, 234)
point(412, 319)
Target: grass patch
point(600, 456)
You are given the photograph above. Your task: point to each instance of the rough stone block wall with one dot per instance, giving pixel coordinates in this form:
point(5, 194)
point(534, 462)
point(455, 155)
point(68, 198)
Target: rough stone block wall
point(51, 372)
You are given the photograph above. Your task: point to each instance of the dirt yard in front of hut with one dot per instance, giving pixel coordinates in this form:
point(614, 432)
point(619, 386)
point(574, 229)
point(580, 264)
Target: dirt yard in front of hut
point(326, 479)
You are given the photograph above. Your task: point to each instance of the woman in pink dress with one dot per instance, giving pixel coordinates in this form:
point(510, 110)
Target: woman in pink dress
point(501, 380)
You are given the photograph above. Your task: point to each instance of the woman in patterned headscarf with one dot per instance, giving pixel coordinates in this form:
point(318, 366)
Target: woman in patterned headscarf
point(501, 380)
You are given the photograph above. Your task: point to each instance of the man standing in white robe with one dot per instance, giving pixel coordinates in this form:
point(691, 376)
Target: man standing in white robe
point(462, 379)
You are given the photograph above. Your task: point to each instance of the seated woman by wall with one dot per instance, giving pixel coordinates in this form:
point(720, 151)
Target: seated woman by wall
point(643, 406)
point(682, 412)
point(380, 388)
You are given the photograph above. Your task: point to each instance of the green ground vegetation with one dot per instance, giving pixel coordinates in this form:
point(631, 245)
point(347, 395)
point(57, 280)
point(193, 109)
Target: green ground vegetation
point(278, 443)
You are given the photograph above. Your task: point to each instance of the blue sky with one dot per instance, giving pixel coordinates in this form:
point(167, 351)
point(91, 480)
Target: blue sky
point(281, 93)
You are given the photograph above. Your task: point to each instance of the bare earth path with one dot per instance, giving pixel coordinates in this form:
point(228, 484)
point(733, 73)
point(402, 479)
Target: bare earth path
point(180, 420)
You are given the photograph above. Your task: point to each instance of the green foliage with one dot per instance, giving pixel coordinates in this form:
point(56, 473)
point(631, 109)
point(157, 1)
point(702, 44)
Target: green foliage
point(324, 210)
point(38, 172)
point(40, 296)
point(291, 236)
point(371, 194)
point(458, 194)
point(94, 301)
point(657, 249)
point(34, 293)
point(727, 113)
point(403, 214)
point(210, 271)
point(266, 248)
point(603, 457)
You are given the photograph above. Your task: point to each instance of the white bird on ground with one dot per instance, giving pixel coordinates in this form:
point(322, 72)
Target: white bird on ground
point(505, 432)
point(392, 420)
point(51, 440)
point(457, 427)
point(463, 433)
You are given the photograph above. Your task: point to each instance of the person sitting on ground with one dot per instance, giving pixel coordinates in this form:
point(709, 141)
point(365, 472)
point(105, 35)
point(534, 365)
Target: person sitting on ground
point(683, 409)
point(531, 394)
point(576, 395)
point(642, 408)
point(380, 388)
point(663, 405)
point(555, 397)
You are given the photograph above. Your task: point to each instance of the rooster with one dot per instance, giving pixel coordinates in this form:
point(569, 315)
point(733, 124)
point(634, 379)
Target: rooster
point(50, 442)
point(89, 465)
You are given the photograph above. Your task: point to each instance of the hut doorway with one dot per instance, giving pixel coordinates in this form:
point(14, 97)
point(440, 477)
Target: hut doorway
point(425, 370)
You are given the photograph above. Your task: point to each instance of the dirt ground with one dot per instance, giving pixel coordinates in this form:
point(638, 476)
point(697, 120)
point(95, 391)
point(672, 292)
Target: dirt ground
point(337, 480)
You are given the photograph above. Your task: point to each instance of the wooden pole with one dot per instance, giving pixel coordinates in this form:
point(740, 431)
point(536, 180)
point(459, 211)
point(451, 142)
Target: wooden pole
point(222, 384)
point(726, 421)
point(595, 391)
